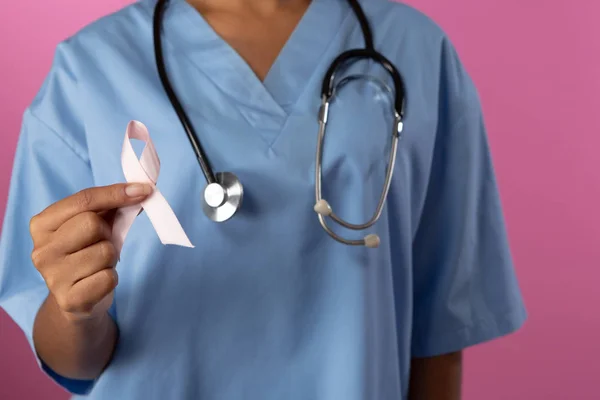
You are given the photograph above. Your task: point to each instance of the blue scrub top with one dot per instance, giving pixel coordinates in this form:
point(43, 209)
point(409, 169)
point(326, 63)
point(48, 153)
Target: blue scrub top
point(267, 306)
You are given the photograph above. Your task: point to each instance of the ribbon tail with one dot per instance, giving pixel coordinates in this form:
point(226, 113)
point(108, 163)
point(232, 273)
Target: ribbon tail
point(122, 222)
point(164, 220)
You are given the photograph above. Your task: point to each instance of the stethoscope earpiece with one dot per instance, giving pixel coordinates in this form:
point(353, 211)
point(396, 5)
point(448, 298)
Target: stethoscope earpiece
point(323, 208)
point(372, 241)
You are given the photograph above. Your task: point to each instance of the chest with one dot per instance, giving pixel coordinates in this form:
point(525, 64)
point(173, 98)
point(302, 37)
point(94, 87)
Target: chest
point(266, 132)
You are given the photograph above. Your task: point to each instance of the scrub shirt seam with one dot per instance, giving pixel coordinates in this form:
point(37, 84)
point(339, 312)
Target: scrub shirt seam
point(293, 105)
point(497, 325)
point(277, 109)
point(426, 200)
point(492, 320)
point(231, 98)
point(63, 139)
point(429, 177)
point(227, 48)
point(174, 49)
point(280, 108)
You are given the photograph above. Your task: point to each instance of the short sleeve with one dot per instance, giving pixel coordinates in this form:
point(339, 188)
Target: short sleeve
point(465, 286)
point(49, 165)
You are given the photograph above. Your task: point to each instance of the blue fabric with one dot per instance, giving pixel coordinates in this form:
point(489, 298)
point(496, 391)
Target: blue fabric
point(267, 306)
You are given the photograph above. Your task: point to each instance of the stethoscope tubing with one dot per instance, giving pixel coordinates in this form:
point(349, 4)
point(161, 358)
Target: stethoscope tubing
point(207, 170)
point(224, 192)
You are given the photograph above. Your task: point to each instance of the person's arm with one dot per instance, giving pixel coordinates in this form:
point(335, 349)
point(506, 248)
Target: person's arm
point(436, 378)
point(75, 349)
point(47, 167)
point(51, 162)
point(73, 332)
point(465, 290)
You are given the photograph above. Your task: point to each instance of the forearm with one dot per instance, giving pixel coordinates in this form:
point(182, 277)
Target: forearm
point(436, 378)
point(73, 349)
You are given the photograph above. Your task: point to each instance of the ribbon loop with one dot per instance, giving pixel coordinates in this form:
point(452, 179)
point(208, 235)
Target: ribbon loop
point(146, 170)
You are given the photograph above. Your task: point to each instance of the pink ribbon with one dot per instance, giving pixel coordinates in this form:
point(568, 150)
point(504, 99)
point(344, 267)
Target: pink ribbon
point(146, 170)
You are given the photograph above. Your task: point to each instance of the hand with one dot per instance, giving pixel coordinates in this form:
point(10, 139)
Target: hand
point(73, 249)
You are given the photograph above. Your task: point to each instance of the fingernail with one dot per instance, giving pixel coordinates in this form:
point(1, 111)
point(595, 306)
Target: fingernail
point(138, 190)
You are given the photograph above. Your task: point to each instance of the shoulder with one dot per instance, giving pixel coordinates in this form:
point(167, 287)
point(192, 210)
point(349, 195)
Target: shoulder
point(414, 40)
point(120, 29)
point(423, 51)
point(91, 54)
point(117, 31)
point(392, 19)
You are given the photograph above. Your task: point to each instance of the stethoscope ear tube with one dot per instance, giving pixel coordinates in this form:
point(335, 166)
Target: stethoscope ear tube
point(324, 209)
point(183, 118)
point(223, 193)
point(343, 59)
point(328, 88)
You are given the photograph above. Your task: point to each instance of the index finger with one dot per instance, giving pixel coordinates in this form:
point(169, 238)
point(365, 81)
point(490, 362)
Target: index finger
point(97, 199)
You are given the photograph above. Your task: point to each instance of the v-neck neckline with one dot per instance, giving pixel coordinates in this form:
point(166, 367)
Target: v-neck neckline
point(187, 30)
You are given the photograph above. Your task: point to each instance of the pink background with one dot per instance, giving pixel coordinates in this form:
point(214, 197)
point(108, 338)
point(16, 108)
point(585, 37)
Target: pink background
point(536, 63)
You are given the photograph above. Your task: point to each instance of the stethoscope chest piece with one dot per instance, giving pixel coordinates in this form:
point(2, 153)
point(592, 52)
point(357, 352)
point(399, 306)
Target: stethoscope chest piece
point(222, 198)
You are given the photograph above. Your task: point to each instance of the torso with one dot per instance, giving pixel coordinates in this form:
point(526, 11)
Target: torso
point(266, 306)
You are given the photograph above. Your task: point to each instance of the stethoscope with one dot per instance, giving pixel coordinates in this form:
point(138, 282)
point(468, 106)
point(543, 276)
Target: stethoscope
point(224, 192)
